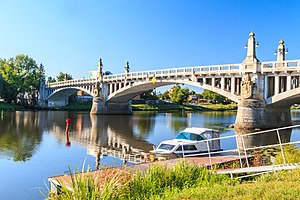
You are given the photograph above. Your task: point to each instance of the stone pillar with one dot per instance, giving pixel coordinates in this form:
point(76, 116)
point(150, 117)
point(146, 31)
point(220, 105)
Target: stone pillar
point(232, 85)
point(222, 83)
point(281, 51)
point(101, 106)
point(288, 82)
point(213, 81)
point(276, 91)
point(252, 112)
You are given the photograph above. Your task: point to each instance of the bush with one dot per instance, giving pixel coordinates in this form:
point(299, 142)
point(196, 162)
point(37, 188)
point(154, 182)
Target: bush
point(291, 154)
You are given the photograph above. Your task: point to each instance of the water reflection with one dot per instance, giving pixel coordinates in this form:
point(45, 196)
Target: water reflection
point(22, 132)
point(20, 135)
point(262, 139)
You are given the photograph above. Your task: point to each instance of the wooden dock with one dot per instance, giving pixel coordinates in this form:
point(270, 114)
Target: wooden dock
point(199, 161)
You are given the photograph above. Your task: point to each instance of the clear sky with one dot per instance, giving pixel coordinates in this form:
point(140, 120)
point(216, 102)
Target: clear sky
point(70, 35)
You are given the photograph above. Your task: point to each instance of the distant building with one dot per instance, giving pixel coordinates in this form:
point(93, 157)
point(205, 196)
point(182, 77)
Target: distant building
point(192, 98)
point(83, 97)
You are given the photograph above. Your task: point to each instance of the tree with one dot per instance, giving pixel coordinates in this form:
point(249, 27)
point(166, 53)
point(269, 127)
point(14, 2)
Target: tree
point(21, 76)
point(64, 77)
point(150, 94)
point(165, 95)
point(51, 80)
point(1, 84)
point(217, 98)
point(179, 95)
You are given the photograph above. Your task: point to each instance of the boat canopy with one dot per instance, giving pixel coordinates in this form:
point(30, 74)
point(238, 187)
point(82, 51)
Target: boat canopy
point(189, 136)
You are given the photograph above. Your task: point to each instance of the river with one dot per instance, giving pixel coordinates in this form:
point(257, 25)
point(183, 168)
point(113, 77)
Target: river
point(33, 144)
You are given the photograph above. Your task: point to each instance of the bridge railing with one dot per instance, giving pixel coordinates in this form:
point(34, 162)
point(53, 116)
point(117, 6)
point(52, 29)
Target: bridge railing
point(73, 82)
point(287, 65)
point(213, 69)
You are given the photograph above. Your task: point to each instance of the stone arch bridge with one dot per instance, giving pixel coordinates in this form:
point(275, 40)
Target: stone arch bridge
point(264, 91)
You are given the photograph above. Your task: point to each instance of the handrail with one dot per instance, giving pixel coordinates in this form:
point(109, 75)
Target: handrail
point(244, 148)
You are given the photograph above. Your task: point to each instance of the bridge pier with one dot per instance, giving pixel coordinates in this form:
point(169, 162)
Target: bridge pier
point(100, 107)
point(254, 114)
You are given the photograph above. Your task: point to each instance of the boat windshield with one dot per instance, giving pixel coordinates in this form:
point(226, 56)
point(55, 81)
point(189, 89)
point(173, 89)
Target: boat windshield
point(166, 146)
point(189, 136)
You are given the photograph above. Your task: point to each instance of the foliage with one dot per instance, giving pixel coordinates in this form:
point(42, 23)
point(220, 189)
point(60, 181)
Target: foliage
point(217, 98)
point(1, 85)
point(105, 185)
point(182, 181)
point(21, 76)
point(63, 77)
point(165, 95)
point(117, 184)
point(150, 94)
point(179, 94)
point(291, 155)
point(285, 183)
point(51, 80)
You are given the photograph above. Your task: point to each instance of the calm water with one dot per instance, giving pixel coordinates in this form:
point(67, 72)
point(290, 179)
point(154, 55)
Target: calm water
point(33, 144)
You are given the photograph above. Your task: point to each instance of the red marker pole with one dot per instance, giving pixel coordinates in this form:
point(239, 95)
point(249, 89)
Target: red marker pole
point(68, 122)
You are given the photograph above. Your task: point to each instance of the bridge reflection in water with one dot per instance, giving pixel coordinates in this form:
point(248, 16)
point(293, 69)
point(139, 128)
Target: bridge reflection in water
point(262, 138)
point(123, 136)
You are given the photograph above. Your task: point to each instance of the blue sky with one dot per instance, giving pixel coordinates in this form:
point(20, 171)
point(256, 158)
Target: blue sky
point(70, 36)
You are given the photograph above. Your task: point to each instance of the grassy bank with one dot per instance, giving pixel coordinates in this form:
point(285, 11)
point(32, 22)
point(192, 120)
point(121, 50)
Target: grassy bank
point(10, 107)
point(166, 107)
point(183, 181)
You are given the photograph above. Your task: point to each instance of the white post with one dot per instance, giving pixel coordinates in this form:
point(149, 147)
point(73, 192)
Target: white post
point(213, 81)
point(276, 84)
point(232, 85)
point(222, 83)
point(288, 82)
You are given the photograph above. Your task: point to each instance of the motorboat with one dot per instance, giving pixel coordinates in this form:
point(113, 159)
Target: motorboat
point(190, 141)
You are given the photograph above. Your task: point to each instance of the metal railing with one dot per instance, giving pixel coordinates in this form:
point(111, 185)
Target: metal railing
point(241, 147)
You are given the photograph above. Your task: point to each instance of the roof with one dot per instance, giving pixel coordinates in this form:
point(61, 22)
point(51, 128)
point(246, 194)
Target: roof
point(198, 131)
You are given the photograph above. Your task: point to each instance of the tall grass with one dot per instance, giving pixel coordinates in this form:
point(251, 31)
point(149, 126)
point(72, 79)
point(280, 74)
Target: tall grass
point(117, 184)
point(291, 155)
point(161, 178)
point(106, 184)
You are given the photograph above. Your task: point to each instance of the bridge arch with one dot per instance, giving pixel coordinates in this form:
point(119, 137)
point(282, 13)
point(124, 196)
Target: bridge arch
point(65, 92)
point(286, 98)
point(135, 88)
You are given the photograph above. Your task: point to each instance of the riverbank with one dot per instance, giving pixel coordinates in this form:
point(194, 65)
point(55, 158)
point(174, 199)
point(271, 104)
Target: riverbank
point(185, 107)
point(182, 181)
point(160, 107)
point(10, 107)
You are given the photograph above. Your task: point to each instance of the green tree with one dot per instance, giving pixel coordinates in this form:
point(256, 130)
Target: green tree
point(51, 80)
point(22, 77)
point(150, 94)
point(64, 77)
point(1, 84)
point(179, 94)
point(165, 95)
point(217, 98)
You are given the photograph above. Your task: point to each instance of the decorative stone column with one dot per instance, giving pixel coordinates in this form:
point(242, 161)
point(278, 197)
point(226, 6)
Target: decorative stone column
point(253, 113)
point(100, 105)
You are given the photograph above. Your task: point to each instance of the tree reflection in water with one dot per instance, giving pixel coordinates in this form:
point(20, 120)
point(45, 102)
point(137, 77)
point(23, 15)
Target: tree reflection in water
point(20, 135)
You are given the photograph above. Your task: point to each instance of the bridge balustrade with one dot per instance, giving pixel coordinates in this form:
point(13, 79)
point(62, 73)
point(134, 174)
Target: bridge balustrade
point(288, 65)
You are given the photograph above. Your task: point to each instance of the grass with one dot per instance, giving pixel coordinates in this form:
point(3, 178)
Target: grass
point(166, 107)
point(220, 107)
point(10, 107)
point(182, 181)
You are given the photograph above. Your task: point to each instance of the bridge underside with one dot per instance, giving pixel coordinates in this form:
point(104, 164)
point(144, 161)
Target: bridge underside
point(60, 98)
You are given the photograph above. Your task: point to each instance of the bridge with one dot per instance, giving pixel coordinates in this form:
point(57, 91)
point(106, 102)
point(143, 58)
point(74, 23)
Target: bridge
point(264, 91)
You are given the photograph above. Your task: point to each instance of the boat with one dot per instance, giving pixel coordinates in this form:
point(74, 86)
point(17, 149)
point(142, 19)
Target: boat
point(192, 140)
